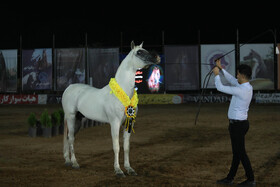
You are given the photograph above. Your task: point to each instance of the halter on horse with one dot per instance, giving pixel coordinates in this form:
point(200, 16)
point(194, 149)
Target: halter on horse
point(103, 105)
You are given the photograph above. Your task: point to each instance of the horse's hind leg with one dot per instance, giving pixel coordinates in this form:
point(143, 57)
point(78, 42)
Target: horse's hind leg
point(71, 138)
point(66, 145)
point(126, 138)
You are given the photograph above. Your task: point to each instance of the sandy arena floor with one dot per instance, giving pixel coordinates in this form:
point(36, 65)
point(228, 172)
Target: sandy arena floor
point(167, 149)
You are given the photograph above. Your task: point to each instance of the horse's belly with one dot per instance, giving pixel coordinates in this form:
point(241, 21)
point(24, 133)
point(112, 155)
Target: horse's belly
point(93, 103)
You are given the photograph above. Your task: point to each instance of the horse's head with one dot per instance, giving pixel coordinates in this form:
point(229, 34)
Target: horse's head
point(143, 58)
point(251, 55)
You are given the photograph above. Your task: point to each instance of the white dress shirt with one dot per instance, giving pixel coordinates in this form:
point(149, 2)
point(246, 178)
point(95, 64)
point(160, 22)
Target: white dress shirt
point(241, 96)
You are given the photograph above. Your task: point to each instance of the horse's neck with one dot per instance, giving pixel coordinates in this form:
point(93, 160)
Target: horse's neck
point(259, 61)
point(257, 56)
point(125, 77)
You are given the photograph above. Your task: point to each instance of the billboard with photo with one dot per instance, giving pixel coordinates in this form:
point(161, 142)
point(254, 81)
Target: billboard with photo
point(103, 64)
point(70, 67)
point(261, 59)
point(150, 80)
point(181, 67)
point(37, 69)
point(8, 70)
point(209, 53)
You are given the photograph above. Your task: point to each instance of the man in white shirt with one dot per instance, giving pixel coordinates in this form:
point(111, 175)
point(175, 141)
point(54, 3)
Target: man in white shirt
point(242, 92)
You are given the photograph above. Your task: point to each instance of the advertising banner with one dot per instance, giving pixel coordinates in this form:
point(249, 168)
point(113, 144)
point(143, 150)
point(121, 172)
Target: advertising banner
point(150, 80)
point(267, 98)
point(103, 64)
point(209, 53)
point(18, 99)
point(8, 70)
point(206, 98)
point(278, 70)
point(37, 69)
point(181, 68)
point(70, 67)
point(261, 59)
point(160, 98)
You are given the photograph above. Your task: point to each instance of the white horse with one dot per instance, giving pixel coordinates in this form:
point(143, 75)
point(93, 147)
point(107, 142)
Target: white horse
point(101, 105)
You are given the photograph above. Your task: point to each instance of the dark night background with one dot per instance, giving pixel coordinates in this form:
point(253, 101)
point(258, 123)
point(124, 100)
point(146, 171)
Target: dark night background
point(183, 23)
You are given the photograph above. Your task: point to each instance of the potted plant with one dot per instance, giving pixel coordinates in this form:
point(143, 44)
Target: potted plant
point(55, 123)
point(46, 123)
point(61, 126)
point(32, 131)
point(39, 128)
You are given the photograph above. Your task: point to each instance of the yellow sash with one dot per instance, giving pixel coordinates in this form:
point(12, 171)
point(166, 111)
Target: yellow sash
point(125, 100)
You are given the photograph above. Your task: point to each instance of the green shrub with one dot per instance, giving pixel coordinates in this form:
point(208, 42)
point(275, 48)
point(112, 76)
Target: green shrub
point(61, 112)
point(32, 120)
point(56, 118)
point(45, 119)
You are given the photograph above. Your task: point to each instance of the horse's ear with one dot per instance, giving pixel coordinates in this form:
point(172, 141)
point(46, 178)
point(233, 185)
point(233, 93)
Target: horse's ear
point(141, 44)
point(132, 44)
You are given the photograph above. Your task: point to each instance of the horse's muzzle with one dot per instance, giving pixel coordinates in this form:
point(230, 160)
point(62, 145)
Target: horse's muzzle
point(158, 59)
point(154, 58)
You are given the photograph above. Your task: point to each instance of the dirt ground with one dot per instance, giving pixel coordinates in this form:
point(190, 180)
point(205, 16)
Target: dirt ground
point(167, 149)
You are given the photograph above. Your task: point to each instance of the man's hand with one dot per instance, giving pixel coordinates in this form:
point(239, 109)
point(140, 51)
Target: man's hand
point(218, 63)
point(216, 70)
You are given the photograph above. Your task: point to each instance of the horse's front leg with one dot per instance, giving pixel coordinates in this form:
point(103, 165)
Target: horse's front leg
point(126, 138)
point(115, 130)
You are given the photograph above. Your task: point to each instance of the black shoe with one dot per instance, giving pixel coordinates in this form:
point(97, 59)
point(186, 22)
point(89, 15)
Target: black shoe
point(225, 181)
point(248, 183)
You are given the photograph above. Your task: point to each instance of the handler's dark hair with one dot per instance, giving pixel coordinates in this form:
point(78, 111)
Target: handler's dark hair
point(245, 69)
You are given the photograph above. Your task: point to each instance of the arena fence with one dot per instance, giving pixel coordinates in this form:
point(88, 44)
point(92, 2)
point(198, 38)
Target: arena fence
point(46, 72)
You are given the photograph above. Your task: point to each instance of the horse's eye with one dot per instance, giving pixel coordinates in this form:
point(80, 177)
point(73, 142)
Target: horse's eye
point(139, 52)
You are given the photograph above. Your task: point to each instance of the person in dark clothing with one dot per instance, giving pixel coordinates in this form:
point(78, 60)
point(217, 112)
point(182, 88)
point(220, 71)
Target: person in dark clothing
point(242, 92)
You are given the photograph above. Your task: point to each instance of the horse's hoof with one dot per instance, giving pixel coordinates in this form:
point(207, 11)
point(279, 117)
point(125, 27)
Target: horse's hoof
point(120, 175)
point(67, 164)
point(132, 173)
point(76, 166)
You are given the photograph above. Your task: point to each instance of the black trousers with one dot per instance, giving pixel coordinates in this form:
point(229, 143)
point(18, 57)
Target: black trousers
point(237, 132)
